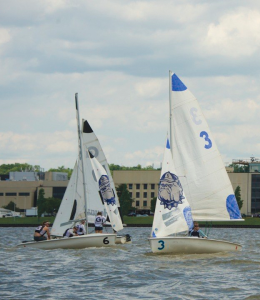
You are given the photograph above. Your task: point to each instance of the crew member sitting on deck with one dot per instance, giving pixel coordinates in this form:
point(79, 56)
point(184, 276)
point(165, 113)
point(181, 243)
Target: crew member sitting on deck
point(40, 231)
point(99, 221)
point(70, 232)
point(197, 232)
point(81, 230)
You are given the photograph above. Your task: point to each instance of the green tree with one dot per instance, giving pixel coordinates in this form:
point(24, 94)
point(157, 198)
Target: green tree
point(17, 167)
point(41, 202)
point(11, 206)
point(62, 169)
point(153, 204)
point(240, 168)
point(51, 205)
point(124, 199)
point(238, 197)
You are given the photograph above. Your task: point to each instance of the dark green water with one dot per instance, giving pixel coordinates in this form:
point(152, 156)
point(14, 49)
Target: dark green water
point(130, 271)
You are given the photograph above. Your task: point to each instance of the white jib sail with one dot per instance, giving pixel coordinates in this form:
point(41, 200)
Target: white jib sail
point(196, 157)
point(73, 204)
point(94, 201)
point(172, 212)
point(107, 194)
point(91, 143)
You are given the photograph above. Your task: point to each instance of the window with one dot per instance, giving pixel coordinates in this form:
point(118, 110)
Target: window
point(130, 186)
point(145, 186)
point(137, 195)
point(24, 194)
point(58, 192)
point(145, 203)
point(1, 194)
point(255, 193)
point(152, 186)
point(138, 186)
point(131, 194)
point(137, 203)
point(10, 194)
point(152, 194)
point(145, 194)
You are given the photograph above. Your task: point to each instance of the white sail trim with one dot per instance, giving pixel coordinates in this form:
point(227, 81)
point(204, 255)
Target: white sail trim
point(198, 161)
point(172, 213)
point(107, 194)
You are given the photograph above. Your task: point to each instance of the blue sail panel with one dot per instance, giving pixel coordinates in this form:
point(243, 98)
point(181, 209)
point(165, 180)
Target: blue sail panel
point(177, 84)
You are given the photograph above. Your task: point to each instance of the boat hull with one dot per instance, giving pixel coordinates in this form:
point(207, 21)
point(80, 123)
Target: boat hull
point(191, 245)
point(124, 239)
point(76, 242)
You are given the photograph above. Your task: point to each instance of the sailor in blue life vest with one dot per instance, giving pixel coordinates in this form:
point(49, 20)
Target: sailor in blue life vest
point(70, 232)
point(197, 232)
point(41, 231)
point(99, 221)
point(81, 229)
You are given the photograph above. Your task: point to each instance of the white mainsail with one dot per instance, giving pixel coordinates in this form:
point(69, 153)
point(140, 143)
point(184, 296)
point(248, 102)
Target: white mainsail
point(73, 205)
point(107, 193)
point(92, 144)
point(172, 213)
point(196, 157)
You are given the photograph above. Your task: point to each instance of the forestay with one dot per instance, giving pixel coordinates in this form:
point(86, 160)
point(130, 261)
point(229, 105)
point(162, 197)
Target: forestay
point(196, 157)
point(172, 213)
point(107, 194)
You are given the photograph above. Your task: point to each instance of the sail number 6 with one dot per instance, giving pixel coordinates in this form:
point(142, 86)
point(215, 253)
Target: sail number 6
point(105, 241)
point(162, 245)
point(206, 138)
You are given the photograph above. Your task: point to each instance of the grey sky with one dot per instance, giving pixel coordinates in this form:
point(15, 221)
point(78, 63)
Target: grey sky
point(116, 55)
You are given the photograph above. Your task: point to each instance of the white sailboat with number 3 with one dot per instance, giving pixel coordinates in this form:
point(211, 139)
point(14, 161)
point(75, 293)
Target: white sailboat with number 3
point(192, 163)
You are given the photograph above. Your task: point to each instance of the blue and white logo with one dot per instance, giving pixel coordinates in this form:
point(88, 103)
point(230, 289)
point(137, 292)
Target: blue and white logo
point(188, 217)
point(106, 190)
point(232, 207)
point(170, 191)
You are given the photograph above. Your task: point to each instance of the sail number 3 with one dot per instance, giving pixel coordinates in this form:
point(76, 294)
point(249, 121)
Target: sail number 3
point(197, 121)
point(162, 245)
point(206, 138)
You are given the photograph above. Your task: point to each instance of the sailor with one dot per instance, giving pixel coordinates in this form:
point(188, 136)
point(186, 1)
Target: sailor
point(40, 231)
point(81, 229)
point(99, 221)
point(197, 232)
point(70, 232)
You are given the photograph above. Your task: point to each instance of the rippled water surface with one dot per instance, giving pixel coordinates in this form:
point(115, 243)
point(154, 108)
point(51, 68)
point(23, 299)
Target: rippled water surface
point(129, 271)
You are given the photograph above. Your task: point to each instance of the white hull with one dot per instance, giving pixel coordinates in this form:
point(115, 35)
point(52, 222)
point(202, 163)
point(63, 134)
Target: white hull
point(190, 245)
point(76, 242)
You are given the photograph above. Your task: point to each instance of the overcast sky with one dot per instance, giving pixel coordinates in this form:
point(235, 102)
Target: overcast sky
point(117, 56)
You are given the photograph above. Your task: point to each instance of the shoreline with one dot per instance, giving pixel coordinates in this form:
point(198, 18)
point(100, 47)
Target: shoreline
point(138, 225)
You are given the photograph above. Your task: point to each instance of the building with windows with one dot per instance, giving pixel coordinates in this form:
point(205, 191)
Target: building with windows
point(142, 185)
point(24, 193)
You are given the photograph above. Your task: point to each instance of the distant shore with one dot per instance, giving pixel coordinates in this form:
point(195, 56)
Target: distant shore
point(141, 225)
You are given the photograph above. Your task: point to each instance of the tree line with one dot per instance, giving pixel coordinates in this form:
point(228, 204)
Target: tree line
point(17, 167)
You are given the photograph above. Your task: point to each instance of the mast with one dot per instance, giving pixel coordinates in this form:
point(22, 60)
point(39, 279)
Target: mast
point(81, 157)
point(170, 107)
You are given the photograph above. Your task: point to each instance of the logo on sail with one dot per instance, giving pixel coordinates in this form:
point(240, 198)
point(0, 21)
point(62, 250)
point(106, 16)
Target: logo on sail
point(188, 217)
point(232, 207)
point(170, 191)
point(106, 190)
